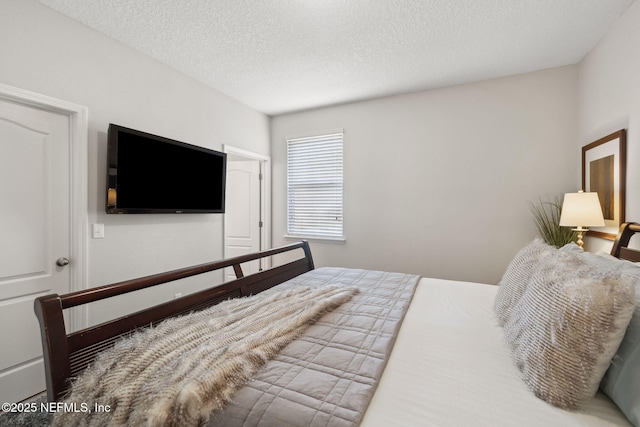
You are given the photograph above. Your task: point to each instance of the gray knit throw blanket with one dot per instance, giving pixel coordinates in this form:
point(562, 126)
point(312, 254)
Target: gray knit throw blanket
point(180, 371)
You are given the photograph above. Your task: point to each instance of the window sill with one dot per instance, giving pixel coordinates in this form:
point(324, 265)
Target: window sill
point(336, 240)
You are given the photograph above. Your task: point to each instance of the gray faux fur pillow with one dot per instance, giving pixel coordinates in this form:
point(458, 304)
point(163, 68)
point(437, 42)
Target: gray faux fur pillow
point(517, 275)
point(567, 326)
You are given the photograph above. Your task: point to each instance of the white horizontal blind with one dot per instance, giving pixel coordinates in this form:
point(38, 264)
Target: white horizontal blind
point(314, 186)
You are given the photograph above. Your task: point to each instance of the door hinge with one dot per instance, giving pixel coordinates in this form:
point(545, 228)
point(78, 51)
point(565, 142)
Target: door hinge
point(260, 224)
point(260, 176)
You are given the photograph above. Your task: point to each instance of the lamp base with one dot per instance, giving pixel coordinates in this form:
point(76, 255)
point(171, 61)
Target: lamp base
point(580, 231)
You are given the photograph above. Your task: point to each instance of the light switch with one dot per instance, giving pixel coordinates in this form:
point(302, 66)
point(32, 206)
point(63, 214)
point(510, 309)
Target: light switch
point(98, 231)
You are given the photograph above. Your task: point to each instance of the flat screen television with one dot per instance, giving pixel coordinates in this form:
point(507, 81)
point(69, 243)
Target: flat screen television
point(151, 174)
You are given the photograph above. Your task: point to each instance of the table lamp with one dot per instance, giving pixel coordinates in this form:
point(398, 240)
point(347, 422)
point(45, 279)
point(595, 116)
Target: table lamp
point(581, 210)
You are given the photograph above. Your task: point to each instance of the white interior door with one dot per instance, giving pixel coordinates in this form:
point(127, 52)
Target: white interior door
point(35, 200)
point(242, 214)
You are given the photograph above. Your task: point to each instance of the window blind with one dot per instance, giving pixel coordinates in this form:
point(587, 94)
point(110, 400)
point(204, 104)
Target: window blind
point(314, 186)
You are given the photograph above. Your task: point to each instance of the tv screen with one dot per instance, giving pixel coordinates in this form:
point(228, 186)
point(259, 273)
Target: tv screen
point(151, 174)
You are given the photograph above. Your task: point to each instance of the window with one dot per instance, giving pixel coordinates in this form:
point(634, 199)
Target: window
point(314, 187)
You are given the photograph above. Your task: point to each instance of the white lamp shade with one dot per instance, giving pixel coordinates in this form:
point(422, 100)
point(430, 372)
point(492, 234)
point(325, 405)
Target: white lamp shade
point(581, 210)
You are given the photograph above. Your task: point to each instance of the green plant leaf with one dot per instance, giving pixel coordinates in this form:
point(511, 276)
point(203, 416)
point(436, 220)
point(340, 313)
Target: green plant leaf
point(547, 217)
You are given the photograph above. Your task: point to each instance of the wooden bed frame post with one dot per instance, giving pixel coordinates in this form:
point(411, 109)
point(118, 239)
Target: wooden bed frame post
point(53, 334)
point(619, 249)
point(307, 254)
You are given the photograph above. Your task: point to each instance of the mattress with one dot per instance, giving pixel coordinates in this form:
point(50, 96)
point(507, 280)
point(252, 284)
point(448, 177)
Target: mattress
point(450, 366)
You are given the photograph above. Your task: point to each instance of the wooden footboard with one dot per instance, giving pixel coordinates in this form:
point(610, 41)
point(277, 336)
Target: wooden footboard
point(66, 355)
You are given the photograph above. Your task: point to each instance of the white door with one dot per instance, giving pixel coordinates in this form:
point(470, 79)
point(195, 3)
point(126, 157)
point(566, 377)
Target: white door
point(35, 200)
point(242, 218)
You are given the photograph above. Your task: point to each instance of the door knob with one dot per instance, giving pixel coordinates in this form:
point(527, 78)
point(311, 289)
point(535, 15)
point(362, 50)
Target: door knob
point(62, 261)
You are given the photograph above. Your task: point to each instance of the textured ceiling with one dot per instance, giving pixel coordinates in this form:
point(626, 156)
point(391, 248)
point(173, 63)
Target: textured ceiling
point(280, 56)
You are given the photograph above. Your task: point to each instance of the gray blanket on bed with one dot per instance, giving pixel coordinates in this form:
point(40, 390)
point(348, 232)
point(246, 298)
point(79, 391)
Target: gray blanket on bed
point(328, 375)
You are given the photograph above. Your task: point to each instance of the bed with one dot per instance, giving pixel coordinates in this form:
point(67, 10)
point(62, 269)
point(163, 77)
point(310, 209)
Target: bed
point(433, 356)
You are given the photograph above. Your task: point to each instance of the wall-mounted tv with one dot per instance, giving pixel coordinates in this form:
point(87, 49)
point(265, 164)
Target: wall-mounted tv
point(151, 174)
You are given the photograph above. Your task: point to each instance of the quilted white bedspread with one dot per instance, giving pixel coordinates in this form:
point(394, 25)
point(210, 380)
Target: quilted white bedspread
point(451, 366)
point(328, 376)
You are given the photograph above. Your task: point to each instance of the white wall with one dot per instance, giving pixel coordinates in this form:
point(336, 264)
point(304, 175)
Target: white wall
point(609, 100)
point(45, 52)
point(438, 182)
